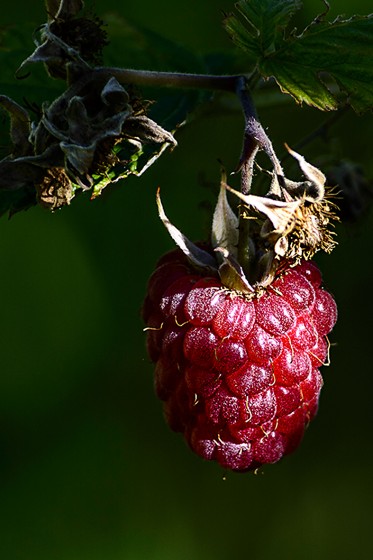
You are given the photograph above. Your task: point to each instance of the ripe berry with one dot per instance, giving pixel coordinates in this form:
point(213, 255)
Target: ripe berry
point(238, 374)
point(237, 329)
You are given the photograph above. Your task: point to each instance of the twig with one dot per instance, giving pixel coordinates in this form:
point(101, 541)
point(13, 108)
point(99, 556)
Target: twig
point(172, 79)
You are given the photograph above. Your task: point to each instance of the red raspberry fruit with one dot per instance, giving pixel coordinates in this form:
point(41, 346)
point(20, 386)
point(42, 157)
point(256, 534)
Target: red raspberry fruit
point(239, 375)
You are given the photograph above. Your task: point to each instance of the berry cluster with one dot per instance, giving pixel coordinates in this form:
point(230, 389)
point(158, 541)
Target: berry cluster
point(238, 374)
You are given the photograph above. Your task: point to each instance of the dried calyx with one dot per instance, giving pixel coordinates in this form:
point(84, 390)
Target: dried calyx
point(291, 222)
point(69, 35)
point(91, 135)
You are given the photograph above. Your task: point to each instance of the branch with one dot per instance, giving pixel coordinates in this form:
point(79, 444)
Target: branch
point(173, 79)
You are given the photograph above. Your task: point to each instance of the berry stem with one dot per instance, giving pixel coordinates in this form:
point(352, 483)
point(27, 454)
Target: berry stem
point(254, 139)
point(254, 135)
point(251, 143)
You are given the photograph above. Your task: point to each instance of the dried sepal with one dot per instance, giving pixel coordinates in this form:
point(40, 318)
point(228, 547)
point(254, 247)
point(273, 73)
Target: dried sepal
point(313, 189)
point(95, 133)
point(224, 232)
point(92, 118)
point(91, 130)
point(114, 95)
point(299, 225)
point(54, 53)
point(279, 213)
point(63, 9)
point(79, 158)
point(78, 134)
point(147, 131)
point(68, 36)
point(232, 274)
point(275, 189)
point(52, 7)
point(197, 257)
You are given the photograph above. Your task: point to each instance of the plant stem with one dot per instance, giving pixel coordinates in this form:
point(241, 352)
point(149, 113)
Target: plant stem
point(172, 79)
point(255, 139)
point(255, 135)
point(251, 145)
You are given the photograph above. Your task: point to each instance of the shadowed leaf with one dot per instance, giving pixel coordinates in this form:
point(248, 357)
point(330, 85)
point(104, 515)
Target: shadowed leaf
point(327, 66)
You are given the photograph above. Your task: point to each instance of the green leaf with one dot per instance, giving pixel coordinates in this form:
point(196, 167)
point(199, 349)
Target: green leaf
point(327, 66)
point(263, 25)
point(342, 50)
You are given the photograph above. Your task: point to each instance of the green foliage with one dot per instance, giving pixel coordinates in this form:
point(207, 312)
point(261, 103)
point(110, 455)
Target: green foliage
point(343, 49)
point(327, 66)
point(263, 27)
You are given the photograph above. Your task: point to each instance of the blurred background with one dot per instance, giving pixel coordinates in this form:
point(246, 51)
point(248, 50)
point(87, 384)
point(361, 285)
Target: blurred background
point(88, 468)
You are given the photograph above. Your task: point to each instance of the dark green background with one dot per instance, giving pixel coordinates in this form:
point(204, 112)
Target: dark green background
point(88, 468)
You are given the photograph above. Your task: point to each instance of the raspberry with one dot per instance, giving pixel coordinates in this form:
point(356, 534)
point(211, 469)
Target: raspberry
point(237, 327)
point(238, 374)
